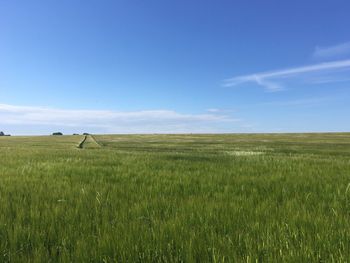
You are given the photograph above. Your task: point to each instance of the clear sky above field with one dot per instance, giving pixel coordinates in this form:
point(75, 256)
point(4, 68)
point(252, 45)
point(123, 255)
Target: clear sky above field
point(174, 66)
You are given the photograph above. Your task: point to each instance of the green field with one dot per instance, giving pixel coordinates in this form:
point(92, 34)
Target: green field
point(175, 198)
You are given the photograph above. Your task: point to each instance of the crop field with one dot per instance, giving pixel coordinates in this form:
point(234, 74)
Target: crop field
point(175, 198)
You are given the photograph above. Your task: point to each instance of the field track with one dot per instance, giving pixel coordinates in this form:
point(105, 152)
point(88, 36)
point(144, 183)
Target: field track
point(96, 142)
point(81, 144)
point(88, 142)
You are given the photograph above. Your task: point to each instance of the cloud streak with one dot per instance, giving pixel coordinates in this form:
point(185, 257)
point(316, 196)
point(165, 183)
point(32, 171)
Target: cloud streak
point(332, 51)
point(105, 121)
point(270, 80)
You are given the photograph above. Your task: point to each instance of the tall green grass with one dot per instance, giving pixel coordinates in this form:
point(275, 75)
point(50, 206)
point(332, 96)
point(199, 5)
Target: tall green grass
point(175, 198)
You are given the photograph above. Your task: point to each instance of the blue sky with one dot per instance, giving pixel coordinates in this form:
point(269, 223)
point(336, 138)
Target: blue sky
point(174, 66)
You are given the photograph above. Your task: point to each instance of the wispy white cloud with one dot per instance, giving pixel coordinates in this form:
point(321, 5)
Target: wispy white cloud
point(332, 51)
point(271, 80)
point(269, 85)
point(105, 121)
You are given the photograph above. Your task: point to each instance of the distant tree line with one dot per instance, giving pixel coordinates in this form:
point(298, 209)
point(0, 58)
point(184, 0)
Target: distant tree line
point(60, 133)
point(3, 134)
